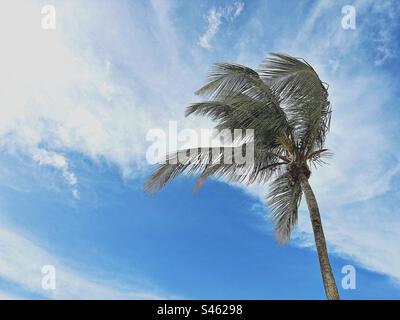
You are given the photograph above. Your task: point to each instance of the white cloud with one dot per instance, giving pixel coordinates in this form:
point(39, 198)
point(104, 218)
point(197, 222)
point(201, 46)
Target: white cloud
point(239, 9)
point(21, 264)
point(39, 114)
point(214, 22)
point(59, 162)
point(214, 19)
point(366, 234)
point(59, 97)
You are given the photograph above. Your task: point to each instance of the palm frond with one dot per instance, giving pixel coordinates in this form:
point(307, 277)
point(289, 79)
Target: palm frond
point(284, 199)
point(318, 157)
point(292, 78)
point(304, 96)
point(241, 88)
point(218, 162)
point(226, 79)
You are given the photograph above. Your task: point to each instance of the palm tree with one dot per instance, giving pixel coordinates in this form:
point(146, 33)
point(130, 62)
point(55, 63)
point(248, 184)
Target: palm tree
point(286, 104)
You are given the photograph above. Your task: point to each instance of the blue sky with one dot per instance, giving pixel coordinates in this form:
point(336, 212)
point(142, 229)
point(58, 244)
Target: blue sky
point(78, 101)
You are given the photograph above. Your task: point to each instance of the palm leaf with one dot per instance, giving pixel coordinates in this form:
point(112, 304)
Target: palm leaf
point(284, 199)
point(305, 98)
point(218, 162)
point(242, 88)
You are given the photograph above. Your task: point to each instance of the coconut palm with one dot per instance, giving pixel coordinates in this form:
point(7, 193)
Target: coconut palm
point(286, 104)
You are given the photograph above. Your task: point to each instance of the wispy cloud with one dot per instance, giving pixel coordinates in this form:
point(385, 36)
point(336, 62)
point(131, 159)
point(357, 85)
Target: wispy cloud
point(59, 162)
point(215, 18)
point(21, 264)
point(386, 25)
point(60, 97)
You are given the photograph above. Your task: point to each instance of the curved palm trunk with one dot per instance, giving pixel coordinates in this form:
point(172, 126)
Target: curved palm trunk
point(331, 290)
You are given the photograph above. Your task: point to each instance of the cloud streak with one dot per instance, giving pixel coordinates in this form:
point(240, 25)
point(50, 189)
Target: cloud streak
point(58, 161)
point(215, 18)
point(21, 264)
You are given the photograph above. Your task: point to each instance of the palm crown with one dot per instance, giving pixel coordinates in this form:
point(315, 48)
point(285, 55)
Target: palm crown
point(286, 104)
